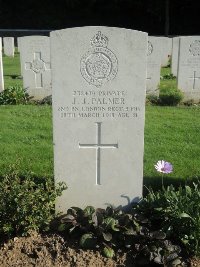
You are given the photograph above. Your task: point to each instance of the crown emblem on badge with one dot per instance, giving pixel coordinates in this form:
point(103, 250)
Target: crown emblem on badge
point(99, 64)
point(99, 40)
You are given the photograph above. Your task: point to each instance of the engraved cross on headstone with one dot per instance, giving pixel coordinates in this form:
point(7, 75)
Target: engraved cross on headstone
point(38, 66)
point(194, 78)
point(98, 146)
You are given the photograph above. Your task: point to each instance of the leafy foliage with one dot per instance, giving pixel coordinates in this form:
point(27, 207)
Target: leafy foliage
point(152, 99)
point(26, 204)
point(178, 213)
point(170, 96)
point(168, 76)
point(14, 95)
point(167, 97)
point(111, 229)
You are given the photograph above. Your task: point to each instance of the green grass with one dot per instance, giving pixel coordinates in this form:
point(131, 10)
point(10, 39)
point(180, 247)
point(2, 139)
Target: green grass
point(171, 133)
point(171, 83)
point(26, 139)
point(11, 70)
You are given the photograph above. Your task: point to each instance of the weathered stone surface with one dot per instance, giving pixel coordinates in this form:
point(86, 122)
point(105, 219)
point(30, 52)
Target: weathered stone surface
point(36, 66)
point(98, 79)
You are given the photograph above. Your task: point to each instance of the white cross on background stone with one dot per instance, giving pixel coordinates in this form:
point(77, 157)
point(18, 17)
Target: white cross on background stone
point(194, 78)
point(98, 147)
point(38, 66)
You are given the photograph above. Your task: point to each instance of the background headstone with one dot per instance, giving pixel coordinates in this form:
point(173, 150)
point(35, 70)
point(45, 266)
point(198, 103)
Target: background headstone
point(9, 46)
point(18, 48)
point(98, 78)
point(36, 66)
point(175, 55)
point(1, 68)
point(153, 66)
point(165, 44)
point(189, 67)
point(18, 44)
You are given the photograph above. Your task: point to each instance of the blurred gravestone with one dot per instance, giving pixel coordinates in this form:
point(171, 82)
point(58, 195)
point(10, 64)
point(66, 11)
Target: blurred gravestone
point(175, 55)
point(153, 66)
point(98, 81)
point(189, 67)
point(8, 46)
point(18, 44)
point(165, 44)
point(36, 66)
point(1, 68)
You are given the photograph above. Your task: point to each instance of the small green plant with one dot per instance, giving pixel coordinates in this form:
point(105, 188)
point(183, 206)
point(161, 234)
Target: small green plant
point(152, 99)
point(112, 229)
point(45, 101)
point(26, 204)
point(168, 76)
point(178, 213)
point(14, 95)
point(170, 96)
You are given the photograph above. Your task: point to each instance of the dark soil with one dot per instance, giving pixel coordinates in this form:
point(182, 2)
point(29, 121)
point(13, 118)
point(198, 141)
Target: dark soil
point(52, 250)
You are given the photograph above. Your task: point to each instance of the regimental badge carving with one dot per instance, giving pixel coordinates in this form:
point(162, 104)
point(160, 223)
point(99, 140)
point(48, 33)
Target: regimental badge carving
point(150, 48)
point(99, 65)
point(194, 48)
point(37, 65)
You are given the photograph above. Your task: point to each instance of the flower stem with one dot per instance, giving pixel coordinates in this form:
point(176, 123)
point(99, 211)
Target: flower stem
point(162, 181)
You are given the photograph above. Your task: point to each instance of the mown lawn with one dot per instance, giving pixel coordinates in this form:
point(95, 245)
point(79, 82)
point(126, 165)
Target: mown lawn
point(26, 139)
point(171, 133)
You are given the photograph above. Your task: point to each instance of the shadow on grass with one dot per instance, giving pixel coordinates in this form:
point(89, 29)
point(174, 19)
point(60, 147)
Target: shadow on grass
point(156, 182)
point(13, 76)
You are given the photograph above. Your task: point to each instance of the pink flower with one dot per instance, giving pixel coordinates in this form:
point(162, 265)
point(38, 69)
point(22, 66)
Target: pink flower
point(164, 166)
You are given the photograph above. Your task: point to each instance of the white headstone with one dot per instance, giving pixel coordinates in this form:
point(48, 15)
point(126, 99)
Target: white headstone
point(1, 68)
point(175, 55)
point(189, 67)
point(9, 46)
point(165, 44)
point(18, 48)
point(18, 44)
point(35, 65)
point(98, 79)
point(153, 66)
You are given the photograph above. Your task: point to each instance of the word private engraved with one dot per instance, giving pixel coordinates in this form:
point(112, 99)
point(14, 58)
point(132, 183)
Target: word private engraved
point(195, 48)
point(150, 48)
point(99, 65)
